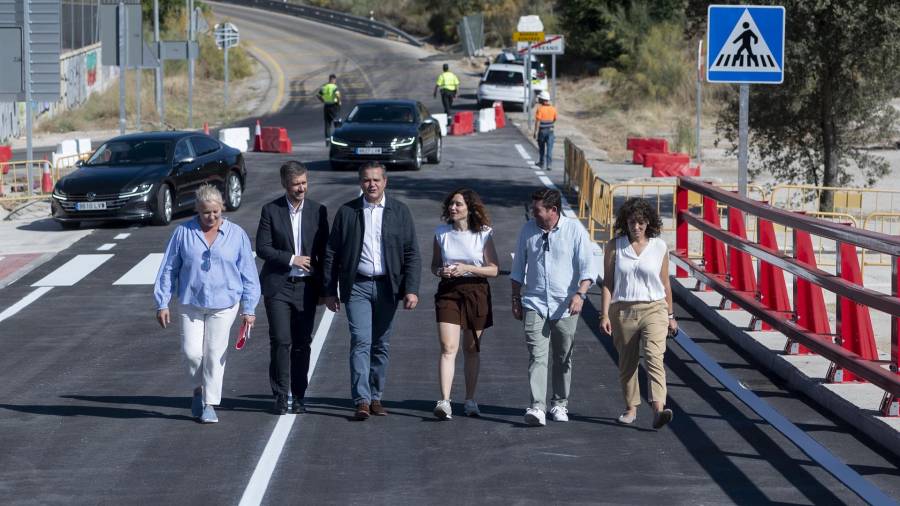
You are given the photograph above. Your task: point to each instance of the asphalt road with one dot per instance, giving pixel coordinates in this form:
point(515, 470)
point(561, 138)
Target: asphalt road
point(94, 407)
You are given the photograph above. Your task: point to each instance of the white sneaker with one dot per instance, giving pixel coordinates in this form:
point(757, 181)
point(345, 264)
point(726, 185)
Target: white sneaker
point(559, 414)
point(471, 408)
point(535, 416)
point(442, 410)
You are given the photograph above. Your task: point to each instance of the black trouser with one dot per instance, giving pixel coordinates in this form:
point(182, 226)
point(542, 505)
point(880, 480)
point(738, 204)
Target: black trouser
point(332, 112)
point(292, 315)
point(447, 97)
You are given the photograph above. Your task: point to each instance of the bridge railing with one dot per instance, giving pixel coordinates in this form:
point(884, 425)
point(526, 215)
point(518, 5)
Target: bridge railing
point(850, 349)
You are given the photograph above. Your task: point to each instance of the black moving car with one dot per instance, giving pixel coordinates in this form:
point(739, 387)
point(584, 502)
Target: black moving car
point(394, 132)
point(148, 176)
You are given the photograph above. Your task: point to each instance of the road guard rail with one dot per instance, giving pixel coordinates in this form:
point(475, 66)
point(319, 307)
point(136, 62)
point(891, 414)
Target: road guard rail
point(851, 350)
point(330, 17)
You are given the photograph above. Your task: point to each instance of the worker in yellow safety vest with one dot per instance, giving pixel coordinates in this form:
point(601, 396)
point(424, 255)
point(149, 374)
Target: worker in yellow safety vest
point(544, 121)
point(448, 83)
point(330, 95)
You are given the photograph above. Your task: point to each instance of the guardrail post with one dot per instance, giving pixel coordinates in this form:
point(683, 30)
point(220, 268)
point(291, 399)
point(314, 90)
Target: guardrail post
point(681, 227)
point(890, 404)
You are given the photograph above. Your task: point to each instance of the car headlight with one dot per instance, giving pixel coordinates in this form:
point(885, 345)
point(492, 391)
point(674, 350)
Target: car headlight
point(402, 142)
point(137, 191)
point(59, 194)
point(338, 142)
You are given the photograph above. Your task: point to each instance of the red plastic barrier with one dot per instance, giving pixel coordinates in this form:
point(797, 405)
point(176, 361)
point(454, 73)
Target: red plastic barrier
point(5, 156)
point(810, 301)
point(740, 265)
point(713, 250)
point(275, 140)
point(772, 288)
point(643, 145)
point(499, 115)
point(674, 169)
point(463, 123)
point(651, 159)
point(856, 322)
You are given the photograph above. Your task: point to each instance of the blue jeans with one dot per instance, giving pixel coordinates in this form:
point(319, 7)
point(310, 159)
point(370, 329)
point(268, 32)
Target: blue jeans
point(370, 311)
point(545, 147)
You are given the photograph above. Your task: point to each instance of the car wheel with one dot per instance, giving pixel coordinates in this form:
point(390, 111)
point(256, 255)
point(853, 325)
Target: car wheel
point(70, 225)
point(418, 161)
point(438, 147)
point(162, 215)
point(234, 191)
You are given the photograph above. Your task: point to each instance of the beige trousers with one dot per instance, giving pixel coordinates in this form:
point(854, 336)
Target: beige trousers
point(639, 325)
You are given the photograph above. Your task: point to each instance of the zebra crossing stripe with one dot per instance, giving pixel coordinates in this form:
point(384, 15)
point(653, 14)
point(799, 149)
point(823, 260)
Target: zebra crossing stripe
point(74, 270)
point(144, 273)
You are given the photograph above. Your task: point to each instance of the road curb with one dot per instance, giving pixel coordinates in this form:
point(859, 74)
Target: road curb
point(861, 419)
point(25, 269)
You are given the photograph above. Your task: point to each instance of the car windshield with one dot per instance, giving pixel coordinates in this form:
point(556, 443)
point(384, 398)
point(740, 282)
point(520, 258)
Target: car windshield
point(504, 77)
point(131, 152)
point(382, 113)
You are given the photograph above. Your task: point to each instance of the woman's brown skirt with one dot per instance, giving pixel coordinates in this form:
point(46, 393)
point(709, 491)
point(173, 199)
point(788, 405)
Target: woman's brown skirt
point(465, 302)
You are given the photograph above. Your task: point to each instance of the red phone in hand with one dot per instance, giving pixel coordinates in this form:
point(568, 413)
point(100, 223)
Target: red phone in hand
point(243, 336)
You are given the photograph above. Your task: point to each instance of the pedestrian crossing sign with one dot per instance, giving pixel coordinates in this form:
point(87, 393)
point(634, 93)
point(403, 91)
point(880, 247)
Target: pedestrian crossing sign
point(745, 44)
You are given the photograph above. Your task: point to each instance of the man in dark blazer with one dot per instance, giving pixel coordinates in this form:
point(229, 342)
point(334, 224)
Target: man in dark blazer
point(373, 257)
point(291, 239)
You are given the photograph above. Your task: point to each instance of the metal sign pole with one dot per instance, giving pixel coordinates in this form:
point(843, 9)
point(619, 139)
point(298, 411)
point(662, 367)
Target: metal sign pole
point(528, 90)
point(226, 73)
point(553, 78)
point(29, 153)
point(743, 134)
point(699, 98)
point(190, 64)
point(160, 107)
point(138, 73)
point(123, 52)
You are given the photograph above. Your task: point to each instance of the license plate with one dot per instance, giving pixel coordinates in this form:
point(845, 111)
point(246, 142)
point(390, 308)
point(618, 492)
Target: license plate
point(90, 206)
point(368, 151)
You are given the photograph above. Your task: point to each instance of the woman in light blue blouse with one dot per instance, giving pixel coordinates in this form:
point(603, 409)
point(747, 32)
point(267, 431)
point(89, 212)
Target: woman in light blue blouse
point(209, 265)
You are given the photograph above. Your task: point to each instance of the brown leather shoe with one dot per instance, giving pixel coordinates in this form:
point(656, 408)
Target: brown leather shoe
point(378, 409)
point(362, 411)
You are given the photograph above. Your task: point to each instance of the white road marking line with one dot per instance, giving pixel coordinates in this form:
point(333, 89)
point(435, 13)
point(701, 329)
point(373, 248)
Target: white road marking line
point(524, 153)
point(1, 258)
point(259, 481)
point(859, 485)
point(121, 236)
point(106, 247)
point(73, 271)
point(22, 304)
point(144, 273)
point(546, 180)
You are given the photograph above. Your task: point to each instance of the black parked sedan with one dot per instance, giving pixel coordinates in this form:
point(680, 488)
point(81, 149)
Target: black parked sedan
point(395, 132)
point(147, 176)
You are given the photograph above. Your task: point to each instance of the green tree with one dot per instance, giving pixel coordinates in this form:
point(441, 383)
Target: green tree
point(842, 64)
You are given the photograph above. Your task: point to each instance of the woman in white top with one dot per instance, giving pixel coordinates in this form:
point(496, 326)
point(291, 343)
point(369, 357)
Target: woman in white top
point(637, 305)
point(464, 256)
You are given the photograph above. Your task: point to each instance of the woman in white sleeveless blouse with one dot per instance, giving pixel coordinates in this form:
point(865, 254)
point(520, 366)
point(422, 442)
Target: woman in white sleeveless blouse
point(637, 305)
point(464, 256)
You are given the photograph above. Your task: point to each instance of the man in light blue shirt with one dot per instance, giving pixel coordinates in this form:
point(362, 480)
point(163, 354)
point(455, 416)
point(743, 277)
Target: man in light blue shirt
point(554, 263)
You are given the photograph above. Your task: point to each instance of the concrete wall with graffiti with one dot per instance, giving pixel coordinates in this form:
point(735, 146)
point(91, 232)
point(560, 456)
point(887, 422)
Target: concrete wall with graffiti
point(81, 75)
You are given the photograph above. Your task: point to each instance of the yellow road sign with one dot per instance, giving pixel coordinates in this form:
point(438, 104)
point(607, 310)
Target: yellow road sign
point(528, 36)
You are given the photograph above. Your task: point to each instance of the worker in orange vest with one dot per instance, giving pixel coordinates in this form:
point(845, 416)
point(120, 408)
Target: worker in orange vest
point(544, 120)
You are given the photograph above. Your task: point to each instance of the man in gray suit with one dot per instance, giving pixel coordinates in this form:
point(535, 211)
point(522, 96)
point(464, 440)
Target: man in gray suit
point(291, 238)
point(372, 255)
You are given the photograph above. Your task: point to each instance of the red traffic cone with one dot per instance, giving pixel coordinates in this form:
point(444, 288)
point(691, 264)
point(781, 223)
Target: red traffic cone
point(46, 178)
point(257, 138)
point(206, 128)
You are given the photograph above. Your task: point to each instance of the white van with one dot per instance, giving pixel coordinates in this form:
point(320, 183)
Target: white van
point(502, 82)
